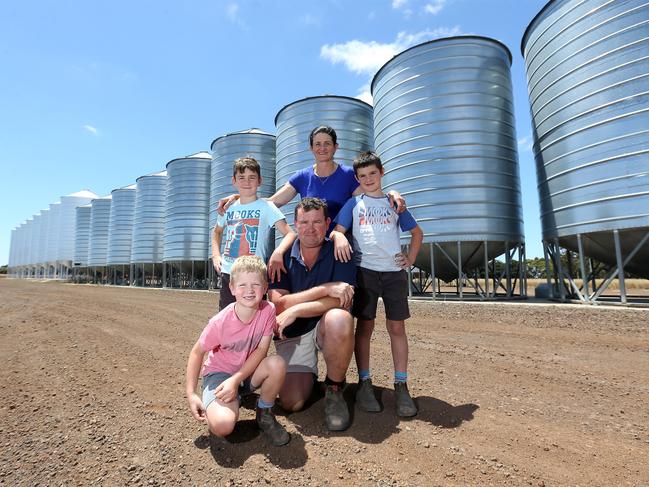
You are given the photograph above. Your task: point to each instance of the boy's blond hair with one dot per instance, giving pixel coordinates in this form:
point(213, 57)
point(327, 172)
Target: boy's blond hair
point(249, 263)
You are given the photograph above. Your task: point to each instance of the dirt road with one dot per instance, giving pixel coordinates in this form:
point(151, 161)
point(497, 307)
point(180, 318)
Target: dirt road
point(509, 394)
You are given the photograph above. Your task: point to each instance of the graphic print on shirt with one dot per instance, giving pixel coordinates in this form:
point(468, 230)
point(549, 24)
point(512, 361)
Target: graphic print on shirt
point(242, 233)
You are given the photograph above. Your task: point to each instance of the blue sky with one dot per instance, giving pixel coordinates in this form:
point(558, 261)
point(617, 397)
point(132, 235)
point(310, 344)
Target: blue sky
point(95, 94)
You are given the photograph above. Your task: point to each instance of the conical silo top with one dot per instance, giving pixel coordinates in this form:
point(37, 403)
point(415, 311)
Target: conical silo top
point(342, 97)
point(441, 39)
point(129, 187)
point(84, 193)
point(250, 131)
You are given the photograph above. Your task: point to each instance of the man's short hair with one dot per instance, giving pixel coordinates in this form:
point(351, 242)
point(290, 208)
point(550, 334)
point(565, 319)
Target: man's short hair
point(243, 163)
point(309, 203)
point(367, 158)
point(323, 129)
point(249, 263)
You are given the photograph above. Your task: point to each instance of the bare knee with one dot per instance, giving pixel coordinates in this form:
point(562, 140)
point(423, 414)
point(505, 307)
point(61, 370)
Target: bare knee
point(396, 328)
point(364, 327)
point(220, 427)
point(276, 366)
point(339, 324)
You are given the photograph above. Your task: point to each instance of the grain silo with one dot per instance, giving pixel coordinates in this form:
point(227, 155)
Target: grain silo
point(349, 117)
point(98, 243)
point(80, 267)
point(186, 236)
point(588, 84)
point(148, 229)
point(13, 264)
point(225, 149)
point(41, 260)
point(30, 245)
point(444, 128)
point(67, 229)
point(120, 235)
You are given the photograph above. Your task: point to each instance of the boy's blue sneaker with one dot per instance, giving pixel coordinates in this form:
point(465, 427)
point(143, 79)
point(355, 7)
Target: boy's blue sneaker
point(365, 398)
point(272, 430)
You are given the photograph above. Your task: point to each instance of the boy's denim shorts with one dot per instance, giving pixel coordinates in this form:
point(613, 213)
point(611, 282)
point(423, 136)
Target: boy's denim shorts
point(213, 380)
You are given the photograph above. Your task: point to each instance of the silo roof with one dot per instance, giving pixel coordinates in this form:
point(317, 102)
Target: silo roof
point(531, 24)
point(495, 41)
point(255, 131)
point(319, 96)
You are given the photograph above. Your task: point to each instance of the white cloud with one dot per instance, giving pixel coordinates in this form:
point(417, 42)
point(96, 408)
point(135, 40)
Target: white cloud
point(309, 20)
point(367, 57)
point(364, 94)
point(91, 129)
point(434, 7)
point(525, 143)
point(397, 4)
point(232, 12)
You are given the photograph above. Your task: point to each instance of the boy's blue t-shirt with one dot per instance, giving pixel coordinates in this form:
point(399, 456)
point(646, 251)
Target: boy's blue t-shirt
point(335, 189)
point(246, 230)
point(375, 230)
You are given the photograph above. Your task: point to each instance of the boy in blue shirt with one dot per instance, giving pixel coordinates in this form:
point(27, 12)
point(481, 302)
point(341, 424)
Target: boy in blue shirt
point(375, 230)
point(246, 225)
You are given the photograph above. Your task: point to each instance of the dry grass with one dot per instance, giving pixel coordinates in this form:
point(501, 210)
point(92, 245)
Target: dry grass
point(629, 283)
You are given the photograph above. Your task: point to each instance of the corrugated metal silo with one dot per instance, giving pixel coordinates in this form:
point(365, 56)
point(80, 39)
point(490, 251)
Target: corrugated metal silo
point(13, 242)
point(98, 243)
point(43, 228)
point(350, 118)
point(444, 128)
point(186, 237)
point(588, 83)
point(67, 226)
point(52, 242)
point(148, 229)
point(120, 234)
point(81, 242)
point(30, 247)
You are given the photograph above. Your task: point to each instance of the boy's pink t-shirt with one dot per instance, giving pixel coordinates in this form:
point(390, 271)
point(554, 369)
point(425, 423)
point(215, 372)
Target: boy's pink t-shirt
point(230, 342)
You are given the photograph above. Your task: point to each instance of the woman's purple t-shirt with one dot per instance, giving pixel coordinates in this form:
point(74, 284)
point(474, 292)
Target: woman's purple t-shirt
point(335, 189)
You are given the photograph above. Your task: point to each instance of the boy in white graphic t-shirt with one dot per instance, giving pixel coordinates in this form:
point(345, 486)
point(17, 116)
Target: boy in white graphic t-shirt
point(375, 230)
point(245, 226)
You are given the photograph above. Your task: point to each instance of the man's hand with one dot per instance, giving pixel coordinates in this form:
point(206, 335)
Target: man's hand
point(284, 319)
point(227, 390)
point(341, 291)
point(402, 260)
point(196, 407)
point(276, 266)
point(225, 203)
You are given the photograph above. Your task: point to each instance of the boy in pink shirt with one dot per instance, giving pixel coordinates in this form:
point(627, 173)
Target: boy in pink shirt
point(236, 341)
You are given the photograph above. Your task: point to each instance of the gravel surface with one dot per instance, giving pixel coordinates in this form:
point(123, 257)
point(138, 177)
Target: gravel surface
point(509, 394)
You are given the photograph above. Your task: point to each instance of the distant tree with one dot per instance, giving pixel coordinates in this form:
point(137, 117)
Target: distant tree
point(3, 269)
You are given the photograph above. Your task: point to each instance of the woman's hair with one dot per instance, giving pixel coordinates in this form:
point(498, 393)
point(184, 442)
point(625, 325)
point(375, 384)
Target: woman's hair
point(249, 263)
point(323, 129)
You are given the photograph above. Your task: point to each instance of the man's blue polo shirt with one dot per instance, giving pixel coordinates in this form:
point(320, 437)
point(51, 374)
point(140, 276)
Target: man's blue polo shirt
point(299, 278)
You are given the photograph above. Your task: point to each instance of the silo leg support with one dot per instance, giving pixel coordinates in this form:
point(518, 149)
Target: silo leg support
point(432, 269)
point(582, 267)
point(620, 265)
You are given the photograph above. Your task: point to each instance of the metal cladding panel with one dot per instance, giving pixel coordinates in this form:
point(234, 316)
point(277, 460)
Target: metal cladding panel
point(186, 235)
point(52, 241)
point(444, 128)
point(12, 246)
point(42, 237)
point(81, 235)
point(32, 240)
point(349, 117)
point(99, 225)
point(226, 149)
point(148, 229)
point(69, 204)
point(120, 229)
point(588, 83)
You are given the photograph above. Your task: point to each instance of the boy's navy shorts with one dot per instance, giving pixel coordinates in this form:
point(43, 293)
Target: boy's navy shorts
point(391, 286)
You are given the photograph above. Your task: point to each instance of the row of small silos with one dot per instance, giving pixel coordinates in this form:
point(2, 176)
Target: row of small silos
point(443, 123)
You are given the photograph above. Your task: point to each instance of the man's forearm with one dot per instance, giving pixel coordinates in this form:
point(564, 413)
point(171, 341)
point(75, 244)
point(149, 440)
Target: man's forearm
point(289, 300)
point(315, 308)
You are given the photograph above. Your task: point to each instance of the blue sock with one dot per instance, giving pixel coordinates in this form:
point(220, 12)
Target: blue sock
point(400, 376)
point(364, 374)
point(261, 404)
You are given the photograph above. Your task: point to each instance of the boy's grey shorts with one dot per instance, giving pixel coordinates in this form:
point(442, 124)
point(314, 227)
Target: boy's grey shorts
point(213, 380)
point(300, 353)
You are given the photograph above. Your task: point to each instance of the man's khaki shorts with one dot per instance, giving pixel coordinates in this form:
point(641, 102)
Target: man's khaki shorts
point(300, 353)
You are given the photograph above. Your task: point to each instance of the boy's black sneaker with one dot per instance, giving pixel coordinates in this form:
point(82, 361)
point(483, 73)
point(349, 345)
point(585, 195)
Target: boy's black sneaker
point(406, 407)
point(335, 409)
point(365, 398)
point(272, 430)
